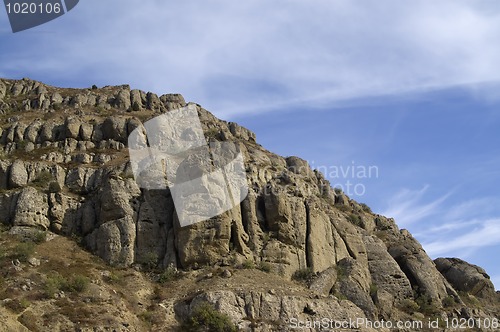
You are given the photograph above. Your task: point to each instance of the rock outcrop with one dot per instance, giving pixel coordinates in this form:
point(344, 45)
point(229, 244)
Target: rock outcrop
point(65, 168)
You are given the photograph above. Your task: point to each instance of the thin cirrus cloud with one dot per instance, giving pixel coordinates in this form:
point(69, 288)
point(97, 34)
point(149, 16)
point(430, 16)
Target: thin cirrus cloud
point(485, 235)
point(444, 226)
point(268, 55)
point(407, 208)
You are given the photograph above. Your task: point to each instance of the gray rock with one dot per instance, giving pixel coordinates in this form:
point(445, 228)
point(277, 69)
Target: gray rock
point(122, 99)
point(324, 281)
point(466, 277)
point(18, 174)
point(32, 209)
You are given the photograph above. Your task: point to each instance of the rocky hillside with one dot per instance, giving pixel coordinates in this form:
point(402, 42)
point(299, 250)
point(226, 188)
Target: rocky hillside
point(295, 250)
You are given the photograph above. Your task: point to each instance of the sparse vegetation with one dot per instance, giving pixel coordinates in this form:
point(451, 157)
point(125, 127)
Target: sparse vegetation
point(343, 208)
point(205, 318)
point(212, 133)
point(355, 219)
point(339, 295)
point(149, 261)
point(39, 237)
point(17, 305)
point(365, 208)
point(265, 266)
point(373, 290)
point(43, 179)
point(21, 145)
point(409, 306)
point(112, 278)
point(449, 301)
point(305, 275)
point(55, 283)
point(23, 251)
point(168, 275)
point(469, 300)
point(54, 187)
point(341, 272)
point(248, 264)
point(147, 316)
point(426, 305)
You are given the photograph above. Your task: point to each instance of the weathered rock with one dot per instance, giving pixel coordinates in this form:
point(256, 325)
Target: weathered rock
point(32, 209)
point(419, 268)
point(320, 240)
point(122, 99)
point(385, 272)
point(271, 309)
point(324, 282)
point(18, 174)
point(115, 128)
point(72, 126)
point(466, 277)
point(114, 241)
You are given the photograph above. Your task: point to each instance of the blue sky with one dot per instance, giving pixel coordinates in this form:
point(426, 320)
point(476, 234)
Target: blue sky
point(412, 89)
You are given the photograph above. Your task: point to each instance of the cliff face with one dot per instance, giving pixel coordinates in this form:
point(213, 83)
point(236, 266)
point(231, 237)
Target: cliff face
point(65, 169)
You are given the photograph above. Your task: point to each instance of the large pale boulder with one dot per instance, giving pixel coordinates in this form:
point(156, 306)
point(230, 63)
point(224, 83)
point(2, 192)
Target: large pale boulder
point(32, 209)
point(18, 174)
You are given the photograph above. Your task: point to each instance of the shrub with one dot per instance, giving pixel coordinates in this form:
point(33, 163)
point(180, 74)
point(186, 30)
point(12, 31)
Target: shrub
point(304, 275)
point(149, 261)
point(339, 295)
point(77, 284)
point(426, 305)
point(147, 316)
point(168, 275)
point(205, 318)
point(409, 306)
point(355, 219)
point(112, 278)
point(55, 283)
point(39, 237)
point(373, 290)
point(43, 179)
point(341, 272)
point(17, 306)
point(338, 190)
point(212, 133)
point(248, 264)
point(23, 251)
point(265, 266)
point(449, 301)
point(21, 145)
point(343, 208)
point(365, 208)
point(54, 187)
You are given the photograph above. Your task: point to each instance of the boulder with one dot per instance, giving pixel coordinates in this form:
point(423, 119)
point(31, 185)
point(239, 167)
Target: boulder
point(466, 277)
point(32, 209)
point(18, 174)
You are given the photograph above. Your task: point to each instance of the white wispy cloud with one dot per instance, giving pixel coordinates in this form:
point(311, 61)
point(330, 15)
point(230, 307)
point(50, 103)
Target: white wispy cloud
point(484, 235)
point(406, 206)
point(258, 55)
